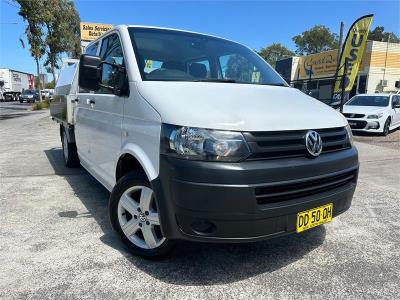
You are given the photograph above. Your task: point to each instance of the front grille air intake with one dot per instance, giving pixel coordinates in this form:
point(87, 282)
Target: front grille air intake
point(284, 144)
point(275, 193)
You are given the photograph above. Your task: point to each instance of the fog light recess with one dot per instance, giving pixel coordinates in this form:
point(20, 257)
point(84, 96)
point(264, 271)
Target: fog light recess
point(203, 227)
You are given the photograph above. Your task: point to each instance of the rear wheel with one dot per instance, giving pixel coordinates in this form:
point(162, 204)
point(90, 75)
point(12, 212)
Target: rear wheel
point(70, 152)
point(134, 215)
point(386, 127)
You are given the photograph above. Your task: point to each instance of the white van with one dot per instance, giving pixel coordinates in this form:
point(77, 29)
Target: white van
point(199, 139)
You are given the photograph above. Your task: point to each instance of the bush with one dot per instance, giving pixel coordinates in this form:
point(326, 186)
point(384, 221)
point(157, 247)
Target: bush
point(41, 105)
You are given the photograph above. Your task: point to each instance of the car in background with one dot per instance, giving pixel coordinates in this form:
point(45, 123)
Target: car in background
point(373, 112)
point(29, 96)
point(47, 93)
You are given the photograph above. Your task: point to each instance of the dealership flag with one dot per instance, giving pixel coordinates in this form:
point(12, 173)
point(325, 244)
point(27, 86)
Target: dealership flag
point(353, 50)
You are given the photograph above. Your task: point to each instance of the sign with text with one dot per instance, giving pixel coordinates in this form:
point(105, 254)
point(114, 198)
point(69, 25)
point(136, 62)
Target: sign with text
point(352, 52)
point(318, 65)
point(91, 31)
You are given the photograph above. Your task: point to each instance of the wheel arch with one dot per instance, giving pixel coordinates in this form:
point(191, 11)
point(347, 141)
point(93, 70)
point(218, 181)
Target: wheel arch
point(134, 159)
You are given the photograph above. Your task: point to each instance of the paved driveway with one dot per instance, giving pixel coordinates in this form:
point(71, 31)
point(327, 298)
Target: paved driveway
point(56, 241)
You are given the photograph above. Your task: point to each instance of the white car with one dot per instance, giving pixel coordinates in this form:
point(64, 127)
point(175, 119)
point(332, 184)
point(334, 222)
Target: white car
point(197, 138)
point(373, 112)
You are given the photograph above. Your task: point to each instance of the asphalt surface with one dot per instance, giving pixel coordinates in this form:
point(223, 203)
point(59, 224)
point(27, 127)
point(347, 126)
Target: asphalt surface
point(56, 241)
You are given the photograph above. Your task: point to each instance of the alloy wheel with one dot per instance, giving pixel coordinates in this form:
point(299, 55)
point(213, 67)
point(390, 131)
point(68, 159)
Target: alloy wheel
point(139, 219)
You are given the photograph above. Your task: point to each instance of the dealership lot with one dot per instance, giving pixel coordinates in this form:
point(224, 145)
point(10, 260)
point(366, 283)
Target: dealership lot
point(56, 241)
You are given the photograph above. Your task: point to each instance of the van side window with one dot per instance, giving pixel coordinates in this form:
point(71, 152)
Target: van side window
point(111, 52)
point(92, 49)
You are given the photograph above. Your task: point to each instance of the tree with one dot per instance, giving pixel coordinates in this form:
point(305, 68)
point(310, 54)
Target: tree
point(61, 21)
point(379, 34)
point(52, 29)
point(31, 12)
point(315, 40)
point(275, 52)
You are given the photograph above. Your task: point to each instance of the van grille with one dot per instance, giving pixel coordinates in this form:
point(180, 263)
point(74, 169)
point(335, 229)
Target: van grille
point(288, 191)
point(283, 144)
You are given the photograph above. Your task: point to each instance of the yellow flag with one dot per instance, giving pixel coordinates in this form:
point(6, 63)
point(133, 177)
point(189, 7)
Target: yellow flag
point(353, 50)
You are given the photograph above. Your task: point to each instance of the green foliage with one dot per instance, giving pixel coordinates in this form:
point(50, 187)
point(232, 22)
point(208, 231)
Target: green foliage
point(41, 105)
point(315, 40)
point(379, 34)
point(32, 13)
point(52, 29)
point(62, 25)
point(50, 85)
point(274, 53)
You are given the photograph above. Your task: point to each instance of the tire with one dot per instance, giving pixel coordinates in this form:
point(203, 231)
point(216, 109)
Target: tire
point(21, 101)
point(132, 206)
point(386, 127)
point(70, 153)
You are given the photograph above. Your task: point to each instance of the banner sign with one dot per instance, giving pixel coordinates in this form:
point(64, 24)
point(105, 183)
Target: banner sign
point(352, 52)
point(91, 31)
point(317, 65)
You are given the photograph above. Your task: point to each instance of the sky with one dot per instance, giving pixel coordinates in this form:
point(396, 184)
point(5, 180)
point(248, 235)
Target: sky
point(254, 23)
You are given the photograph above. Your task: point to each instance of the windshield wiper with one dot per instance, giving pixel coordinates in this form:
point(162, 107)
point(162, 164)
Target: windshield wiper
point(216, 80)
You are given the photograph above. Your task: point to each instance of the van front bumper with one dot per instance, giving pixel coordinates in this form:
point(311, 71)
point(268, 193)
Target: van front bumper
point(231, 202)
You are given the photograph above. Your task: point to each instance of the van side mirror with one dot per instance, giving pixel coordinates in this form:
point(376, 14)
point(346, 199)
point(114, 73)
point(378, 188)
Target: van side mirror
point(89, 75)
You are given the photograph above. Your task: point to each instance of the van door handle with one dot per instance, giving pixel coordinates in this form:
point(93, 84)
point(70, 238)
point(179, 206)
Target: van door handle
point(76, 100)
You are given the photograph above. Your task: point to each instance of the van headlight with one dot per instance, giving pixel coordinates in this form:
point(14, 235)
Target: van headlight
point(350, 135)
point(203, 144)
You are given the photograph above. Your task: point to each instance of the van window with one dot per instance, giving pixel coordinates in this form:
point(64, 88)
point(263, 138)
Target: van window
point(111, 52)
point(189, 56)
point(92, 49)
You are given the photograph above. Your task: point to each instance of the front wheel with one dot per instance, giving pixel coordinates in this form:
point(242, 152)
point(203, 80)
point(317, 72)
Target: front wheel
point(134, 215)
point(386, 127)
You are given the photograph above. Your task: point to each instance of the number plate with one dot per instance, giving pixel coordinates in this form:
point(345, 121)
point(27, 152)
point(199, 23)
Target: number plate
point(314, 217)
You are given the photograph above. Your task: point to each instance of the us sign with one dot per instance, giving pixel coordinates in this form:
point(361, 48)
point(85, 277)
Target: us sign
point(91, 31)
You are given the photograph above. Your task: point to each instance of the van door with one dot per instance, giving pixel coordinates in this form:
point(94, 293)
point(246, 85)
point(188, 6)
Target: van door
point(82, 116)
point(104, 115)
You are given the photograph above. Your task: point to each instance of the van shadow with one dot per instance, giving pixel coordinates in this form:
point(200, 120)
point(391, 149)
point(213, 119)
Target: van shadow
point(190, 263)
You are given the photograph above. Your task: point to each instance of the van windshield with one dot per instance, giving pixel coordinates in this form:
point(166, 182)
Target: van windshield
point(169, 55)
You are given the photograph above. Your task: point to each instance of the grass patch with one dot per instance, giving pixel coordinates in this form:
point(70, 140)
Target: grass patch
point(41, 105)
